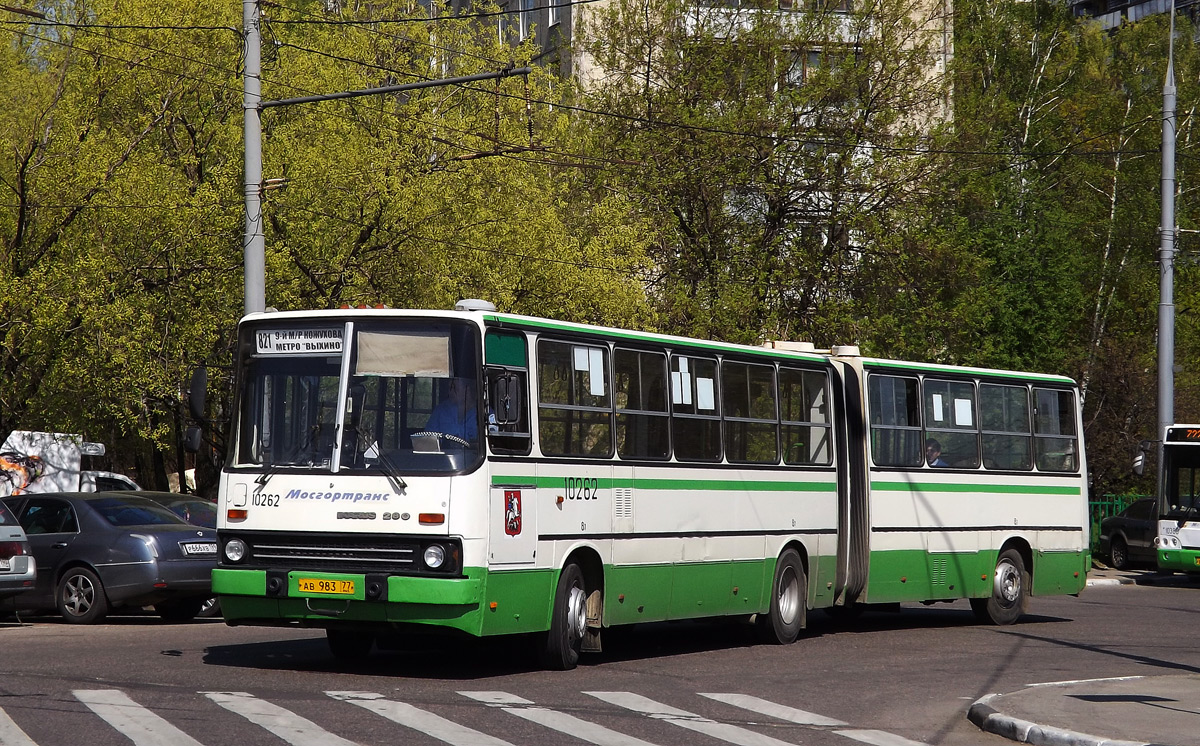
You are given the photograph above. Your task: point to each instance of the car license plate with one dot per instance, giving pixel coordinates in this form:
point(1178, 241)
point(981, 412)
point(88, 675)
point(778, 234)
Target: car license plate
point(317, 585)
point(199, 547)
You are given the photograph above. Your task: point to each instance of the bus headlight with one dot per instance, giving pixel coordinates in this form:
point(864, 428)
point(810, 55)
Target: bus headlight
point(235, 550)
point(435, 556)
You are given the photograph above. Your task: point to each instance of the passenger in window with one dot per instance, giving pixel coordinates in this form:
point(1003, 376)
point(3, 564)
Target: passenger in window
point(933, 453)
point(455, 415)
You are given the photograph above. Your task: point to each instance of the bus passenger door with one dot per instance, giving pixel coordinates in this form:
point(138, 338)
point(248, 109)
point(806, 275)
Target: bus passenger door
point(512, 531)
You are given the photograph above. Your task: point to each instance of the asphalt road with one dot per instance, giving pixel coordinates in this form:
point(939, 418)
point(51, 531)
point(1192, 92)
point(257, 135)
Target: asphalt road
point(885, 679)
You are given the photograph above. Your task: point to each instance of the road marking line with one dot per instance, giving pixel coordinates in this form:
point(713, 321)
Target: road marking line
point(135, 722)
point(771, 709)
point(559, 721)
point(405, 714)
point(877, 738)
point(685, 719)
point(11, 734)
point(283, 723)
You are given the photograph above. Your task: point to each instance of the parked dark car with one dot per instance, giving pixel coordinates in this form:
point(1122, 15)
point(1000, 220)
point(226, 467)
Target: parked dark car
point(104, 550)
point(17, 566)
point(1127, 538)
point(201, 511)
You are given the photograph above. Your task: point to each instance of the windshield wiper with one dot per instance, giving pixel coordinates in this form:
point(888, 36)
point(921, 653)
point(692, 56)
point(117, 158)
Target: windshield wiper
point(392, 473)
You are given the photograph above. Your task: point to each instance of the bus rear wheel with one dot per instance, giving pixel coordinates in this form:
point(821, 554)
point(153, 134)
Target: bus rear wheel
point(1010, 591)
point(568, 622)
point(781, 625)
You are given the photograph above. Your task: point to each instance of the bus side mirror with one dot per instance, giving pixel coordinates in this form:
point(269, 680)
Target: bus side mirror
point(198, 393)
point(191, 439)
point(506, 402)
point(1139, 461)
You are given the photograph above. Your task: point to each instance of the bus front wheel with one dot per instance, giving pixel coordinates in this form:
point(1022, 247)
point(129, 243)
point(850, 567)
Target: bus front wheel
point(568, 622)
point(789, 599)
point(1010, 591)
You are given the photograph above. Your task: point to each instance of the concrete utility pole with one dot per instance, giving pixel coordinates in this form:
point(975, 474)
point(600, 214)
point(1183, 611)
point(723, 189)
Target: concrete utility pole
point(1166, 252)
point(254, 248)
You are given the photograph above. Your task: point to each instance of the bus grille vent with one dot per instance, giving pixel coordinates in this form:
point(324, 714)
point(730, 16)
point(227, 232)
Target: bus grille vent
point(623, 502)
point(939, 570)
point(376, 554)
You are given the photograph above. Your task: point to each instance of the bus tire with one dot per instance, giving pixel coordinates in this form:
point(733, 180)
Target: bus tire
point(1010, 591)
point(781, 625)
point(568, 622)
point(349, 644)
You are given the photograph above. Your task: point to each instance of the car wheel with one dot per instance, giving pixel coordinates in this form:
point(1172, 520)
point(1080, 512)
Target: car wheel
point(1118, 554)
point(80, 596)
point(789, 602)
point(1010, 591)
point(179, 610)
point(349, 644)
point(211, 608)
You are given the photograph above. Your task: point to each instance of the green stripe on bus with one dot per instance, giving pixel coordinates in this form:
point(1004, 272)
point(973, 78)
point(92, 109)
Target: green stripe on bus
point(871, 363)
point(1032, 489)
point(662, 339)
point(748, 485)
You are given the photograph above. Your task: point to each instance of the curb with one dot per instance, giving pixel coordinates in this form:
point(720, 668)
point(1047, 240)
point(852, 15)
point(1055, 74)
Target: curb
point(990, 720)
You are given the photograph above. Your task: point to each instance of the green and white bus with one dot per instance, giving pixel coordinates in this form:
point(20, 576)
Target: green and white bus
point(1178, 542)
point(604, 477)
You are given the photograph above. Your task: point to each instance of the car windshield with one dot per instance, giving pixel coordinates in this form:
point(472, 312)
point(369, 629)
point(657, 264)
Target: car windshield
point(131, 511)
point(411, 406)
point(6, 517)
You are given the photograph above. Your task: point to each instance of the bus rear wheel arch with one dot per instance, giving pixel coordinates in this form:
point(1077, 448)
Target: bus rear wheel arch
point(1011, 582)
point(788, 612)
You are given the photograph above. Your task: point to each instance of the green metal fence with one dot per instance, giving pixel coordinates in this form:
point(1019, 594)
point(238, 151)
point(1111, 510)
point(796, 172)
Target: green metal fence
point(1101, 508)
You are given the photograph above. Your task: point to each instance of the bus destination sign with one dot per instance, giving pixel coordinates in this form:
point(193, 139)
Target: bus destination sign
point(1183, 434)
point(293, 341)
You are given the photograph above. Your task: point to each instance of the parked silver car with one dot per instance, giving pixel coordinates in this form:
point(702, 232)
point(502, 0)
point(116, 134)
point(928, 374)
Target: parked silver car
point(18, 569)
point(101, 550)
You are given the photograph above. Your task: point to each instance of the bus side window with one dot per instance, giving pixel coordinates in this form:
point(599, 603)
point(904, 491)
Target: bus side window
point(895, 411)
point(950, 420)
point(1054, 438)
point(1004, 418)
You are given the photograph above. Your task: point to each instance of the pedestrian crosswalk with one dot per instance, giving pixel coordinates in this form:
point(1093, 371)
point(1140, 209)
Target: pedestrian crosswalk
point(143, 726)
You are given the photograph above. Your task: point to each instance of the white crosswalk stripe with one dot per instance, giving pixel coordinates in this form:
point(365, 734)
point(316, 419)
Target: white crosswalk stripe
point(877, 738)
point(135, 722)
point(285, 724)
point(770, 709)
point(426, 722)
point(684, 719)
point(11, 734)
point(559, 721)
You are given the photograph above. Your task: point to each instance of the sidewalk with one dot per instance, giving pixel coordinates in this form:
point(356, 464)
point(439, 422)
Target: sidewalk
point(1129, 711)
point(1155, 710)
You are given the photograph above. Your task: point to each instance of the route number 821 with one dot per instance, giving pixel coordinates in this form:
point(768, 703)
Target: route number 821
point(581, 488)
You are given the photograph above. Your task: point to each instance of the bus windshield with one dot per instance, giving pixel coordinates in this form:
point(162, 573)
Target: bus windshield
point(1182, 482)
point(402, 398)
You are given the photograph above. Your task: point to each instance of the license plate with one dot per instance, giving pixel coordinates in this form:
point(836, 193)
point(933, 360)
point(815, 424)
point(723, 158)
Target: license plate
point(317, 585)
point(199, 547)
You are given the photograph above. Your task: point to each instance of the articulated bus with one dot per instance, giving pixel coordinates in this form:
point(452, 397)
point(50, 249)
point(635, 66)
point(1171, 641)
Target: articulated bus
point(1178, 540)
point(605, 477)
